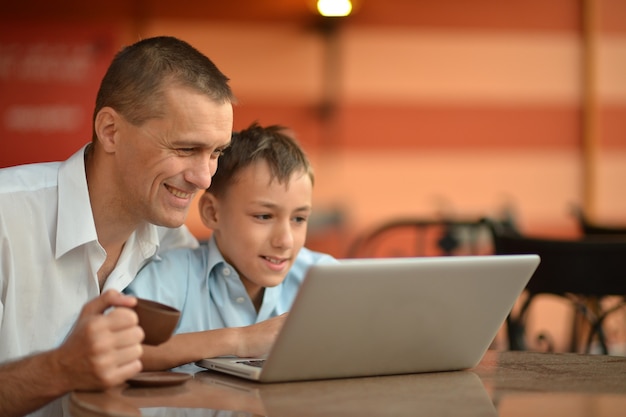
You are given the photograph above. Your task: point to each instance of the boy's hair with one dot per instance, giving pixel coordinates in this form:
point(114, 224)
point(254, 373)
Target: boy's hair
point(135, 81)
point(270, 144)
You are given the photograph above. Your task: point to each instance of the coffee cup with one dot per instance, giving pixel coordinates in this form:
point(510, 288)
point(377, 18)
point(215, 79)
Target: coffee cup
point(157, 320)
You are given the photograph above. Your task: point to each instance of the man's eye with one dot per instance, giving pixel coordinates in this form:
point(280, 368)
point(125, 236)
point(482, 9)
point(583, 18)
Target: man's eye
point(217, 153)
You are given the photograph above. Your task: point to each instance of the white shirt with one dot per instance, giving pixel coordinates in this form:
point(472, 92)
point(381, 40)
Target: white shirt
point(50, 255)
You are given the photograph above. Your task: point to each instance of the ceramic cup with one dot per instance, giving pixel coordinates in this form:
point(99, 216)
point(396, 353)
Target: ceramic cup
point(157, 320)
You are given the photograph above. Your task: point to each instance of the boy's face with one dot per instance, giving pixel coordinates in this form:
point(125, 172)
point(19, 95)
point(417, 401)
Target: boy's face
point(260, 227)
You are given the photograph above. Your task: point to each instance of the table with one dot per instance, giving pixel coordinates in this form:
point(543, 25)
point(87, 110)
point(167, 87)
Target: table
point(505, 384)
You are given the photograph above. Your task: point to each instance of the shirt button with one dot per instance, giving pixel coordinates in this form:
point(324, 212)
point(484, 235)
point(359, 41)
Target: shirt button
point(226, 272)
point(240, 300)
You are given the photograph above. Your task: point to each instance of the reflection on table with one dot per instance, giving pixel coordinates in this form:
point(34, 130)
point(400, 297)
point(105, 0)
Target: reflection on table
point(507, 384)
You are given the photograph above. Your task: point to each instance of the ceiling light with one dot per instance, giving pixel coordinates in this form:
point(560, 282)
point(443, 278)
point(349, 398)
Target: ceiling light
point(334, 8)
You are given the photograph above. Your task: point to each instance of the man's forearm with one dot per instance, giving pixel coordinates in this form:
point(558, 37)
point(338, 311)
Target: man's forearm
point(28, 384)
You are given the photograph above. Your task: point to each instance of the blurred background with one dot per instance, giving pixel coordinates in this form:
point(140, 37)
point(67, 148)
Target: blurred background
point(407, 108)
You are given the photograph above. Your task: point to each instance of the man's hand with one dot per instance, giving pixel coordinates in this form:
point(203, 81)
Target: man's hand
point(104, 348)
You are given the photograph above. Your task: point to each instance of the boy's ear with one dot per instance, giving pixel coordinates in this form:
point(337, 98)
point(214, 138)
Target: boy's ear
point(208, 208)
point(106, 127)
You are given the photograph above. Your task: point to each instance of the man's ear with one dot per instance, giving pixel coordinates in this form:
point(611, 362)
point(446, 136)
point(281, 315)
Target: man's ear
point(209, 210)
point(106, 125)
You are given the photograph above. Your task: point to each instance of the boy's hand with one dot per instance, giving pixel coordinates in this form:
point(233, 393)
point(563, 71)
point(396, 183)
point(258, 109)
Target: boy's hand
point(257, 339)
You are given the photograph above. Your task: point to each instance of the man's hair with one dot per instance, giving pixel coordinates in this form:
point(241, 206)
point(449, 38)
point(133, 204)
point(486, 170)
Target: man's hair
point(135, 81)
point(271, 144)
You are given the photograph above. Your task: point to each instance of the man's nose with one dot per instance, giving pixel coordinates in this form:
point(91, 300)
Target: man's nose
point(201, 172)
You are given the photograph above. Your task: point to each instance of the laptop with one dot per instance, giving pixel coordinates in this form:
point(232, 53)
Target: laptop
point(387, 316)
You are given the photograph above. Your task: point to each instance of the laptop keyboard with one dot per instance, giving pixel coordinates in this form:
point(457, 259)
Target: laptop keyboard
point(256, 362)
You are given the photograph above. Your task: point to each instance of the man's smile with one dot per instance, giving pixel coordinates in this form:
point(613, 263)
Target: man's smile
point(178, 193)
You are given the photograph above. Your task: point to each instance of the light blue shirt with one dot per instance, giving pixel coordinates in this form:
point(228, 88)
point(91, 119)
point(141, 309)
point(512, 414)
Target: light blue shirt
point(208, 291)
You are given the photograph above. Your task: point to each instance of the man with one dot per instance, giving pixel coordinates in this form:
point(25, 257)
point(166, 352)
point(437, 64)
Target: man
point(80, 230)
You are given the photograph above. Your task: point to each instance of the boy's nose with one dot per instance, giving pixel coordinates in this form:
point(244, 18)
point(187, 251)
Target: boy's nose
point(283, 237)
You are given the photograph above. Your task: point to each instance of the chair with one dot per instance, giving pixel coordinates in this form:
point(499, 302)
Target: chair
point(419, 237)
point(583, 271)
point(589, 228)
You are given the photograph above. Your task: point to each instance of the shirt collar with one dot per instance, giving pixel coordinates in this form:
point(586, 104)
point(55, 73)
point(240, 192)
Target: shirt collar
point(148, 239)
point(271, 296)
point(75, 224)
point(142, 244)
point(215, 257)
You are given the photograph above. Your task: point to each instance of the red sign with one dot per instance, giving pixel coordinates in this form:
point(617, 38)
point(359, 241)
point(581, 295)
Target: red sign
point(49, 77)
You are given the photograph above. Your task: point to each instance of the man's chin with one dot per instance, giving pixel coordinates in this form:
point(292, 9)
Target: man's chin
point(171, 222)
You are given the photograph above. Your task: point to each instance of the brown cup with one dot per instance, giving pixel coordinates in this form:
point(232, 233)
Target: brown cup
point(157, 320)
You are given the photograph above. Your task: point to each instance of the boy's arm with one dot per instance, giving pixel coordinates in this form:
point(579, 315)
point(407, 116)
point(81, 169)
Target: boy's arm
point(249, 341)
point(103, 350)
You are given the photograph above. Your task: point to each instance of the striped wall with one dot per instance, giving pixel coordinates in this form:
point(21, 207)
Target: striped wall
point(435, 111)
point(448, 106)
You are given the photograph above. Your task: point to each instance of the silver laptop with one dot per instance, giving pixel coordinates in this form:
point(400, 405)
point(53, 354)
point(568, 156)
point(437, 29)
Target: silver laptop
point(366, 317)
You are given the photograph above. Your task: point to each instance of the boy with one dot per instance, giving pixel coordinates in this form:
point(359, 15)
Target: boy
point(234, 291)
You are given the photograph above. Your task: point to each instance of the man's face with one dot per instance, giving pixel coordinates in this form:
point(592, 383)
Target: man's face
point(164, 162)
point(261, 226)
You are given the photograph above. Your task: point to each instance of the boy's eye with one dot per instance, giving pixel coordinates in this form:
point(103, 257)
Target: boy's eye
point(300, 219)
point(263, 216)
